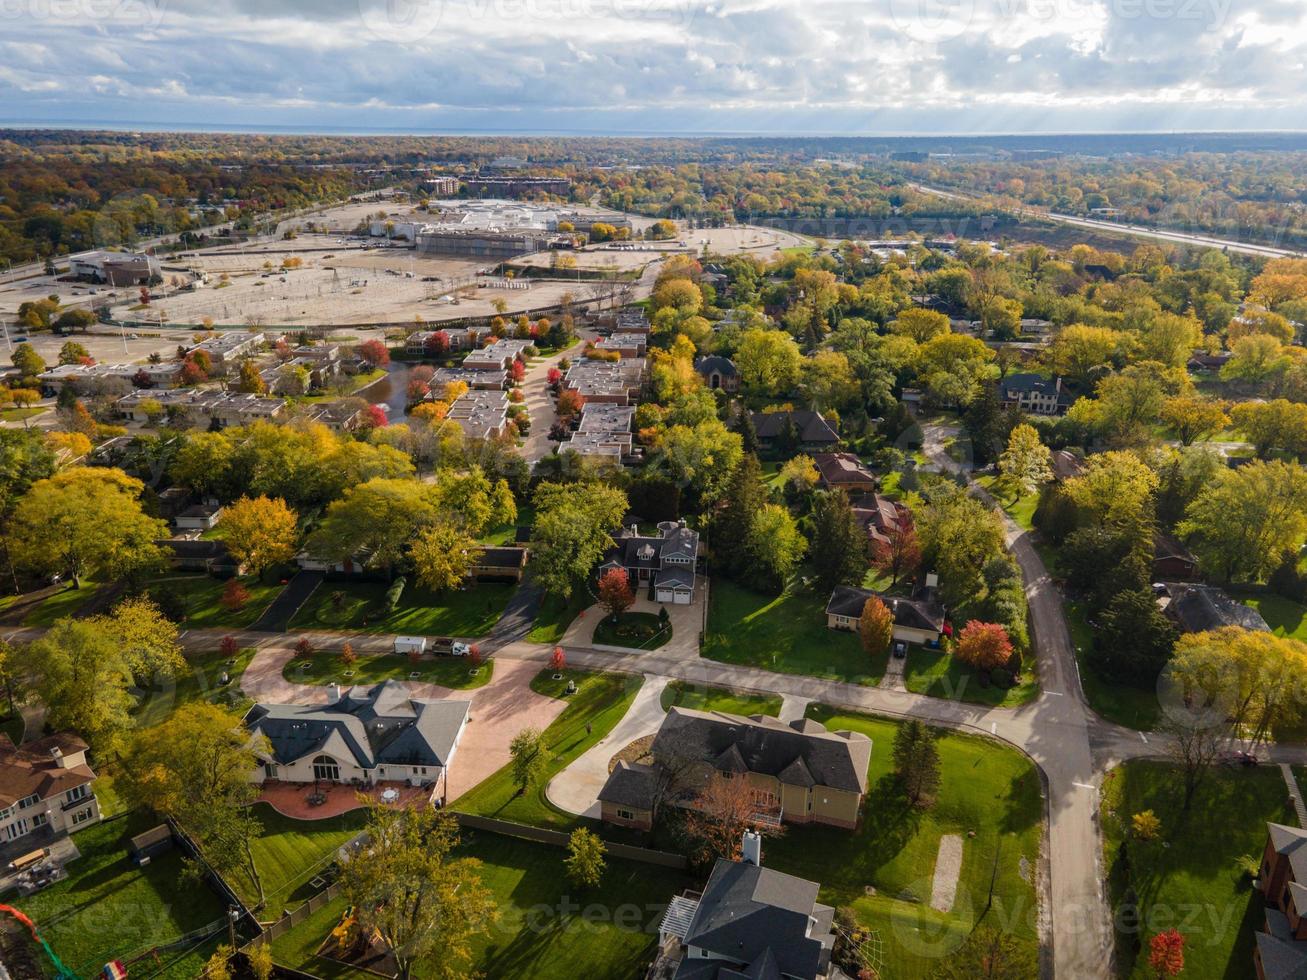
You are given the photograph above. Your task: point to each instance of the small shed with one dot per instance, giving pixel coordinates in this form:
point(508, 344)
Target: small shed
point(146, 846)
point(406, 645)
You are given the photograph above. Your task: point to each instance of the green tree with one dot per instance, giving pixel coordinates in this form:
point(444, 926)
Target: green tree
point(443, 555)
point(573, 529)
point(1278, 424)
point(839, 544)
point(1245, 519)
point(774, 547)
point(73, 353)
point(529, 758)
point(769, 361)
point(745, 496)
point(1192, 418)
point(28, 362)
point(585, 858)
point(701, 458)
point(1027, 462)
point(250, 379)
point(379, 518)
point(958, 535)
point(1134, 640)
point(1082, 352)
point(921, 325)
point(428, 906)
point(916, 761)
point(79, 671)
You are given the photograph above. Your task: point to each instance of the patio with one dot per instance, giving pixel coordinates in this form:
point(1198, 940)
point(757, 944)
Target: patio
point(293, 799)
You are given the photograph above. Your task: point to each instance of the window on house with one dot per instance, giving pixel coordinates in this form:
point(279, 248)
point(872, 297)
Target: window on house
point(326, 768)
point(78, 793)
point(626, 814)
point(40, 820)
point(269, 770)
point(81, 816)
point(27, 801)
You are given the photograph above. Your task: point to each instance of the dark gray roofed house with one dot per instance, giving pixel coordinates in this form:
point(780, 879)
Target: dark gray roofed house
point(718, 372)
point(918, 620)
point(1199, 608)
point(1281, 950)
point(627, 798)
point(813, 429)
point(1034, 393)
point(365, 734)
point(666, 562)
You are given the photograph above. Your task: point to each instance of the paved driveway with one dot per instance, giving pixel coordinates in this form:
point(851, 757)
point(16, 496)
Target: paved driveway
point(687, 621)
point(576, 788)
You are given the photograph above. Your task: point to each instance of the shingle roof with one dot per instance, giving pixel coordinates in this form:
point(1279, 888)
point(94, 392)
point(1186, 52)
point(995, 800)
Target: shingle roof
point(843, 469)
point(630, 784)
point(31, 769)
point(768, 746)
point(1199, 608)
point(812, 426)
point(715, 363)
point(909, 613)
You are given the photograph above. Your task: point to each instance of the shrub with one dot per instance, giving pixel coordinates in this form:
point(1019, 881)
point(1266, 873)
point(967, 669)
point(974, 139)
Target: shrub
point(304, 648)
point(1000, 677)
point(1146, 825)
point(227, 647)
point(395, 593)
point(347, 654)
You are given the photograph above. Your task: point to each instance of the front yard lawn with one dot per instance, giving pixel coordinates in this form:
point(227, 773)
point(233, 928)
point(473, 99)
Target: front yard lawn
point(61, 605)
point(885, 868)
point(199, 600)
point(373, 668)
point(683, 694)
point(941, 675)
point(1284, 616)
point(785, 633)
point(556, 615)
point(290, 853)
point(361, 606)
point(107, 908)
point(534, 936)
point(634, 630)
point(600, 702)
point(202, 678)
point(1134, 707)
point(1190, 878)
point(1021, 508)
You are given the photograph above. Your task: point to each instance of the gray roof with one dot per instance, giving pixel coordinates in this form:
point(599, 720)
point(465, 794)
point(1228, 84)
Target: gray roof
point(630, 784)
point(920, 614)
point(759, 918)
point(812, 426)
point(768, 746)
point(1199, 608)
point(379, 725)
point(714, 362)
point(1281, 959)
point(1292, 843)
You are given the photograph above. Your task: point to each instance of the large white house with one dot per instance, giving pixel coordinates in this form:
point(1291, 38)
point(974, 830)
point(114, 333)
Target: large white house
point(45, 786)
point(363, 735)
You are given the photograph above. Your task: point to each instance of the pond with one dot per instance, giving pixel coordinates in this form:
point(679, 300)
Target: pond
point(391, 391)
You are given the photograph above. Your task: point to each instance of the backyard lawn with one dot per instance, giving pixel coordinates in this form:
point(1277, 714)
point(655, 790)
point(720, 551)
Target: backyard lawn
point(683, 694)
point(289, 854)
point(198, 599)
point(61, 604)
point(785, 633)
point(361, 606)
point(985, 788)
point(1284, 616)
point(1194, 865)
point(373, 668)
point(107, 908)
point(635, 630)
point(556, 615)
point(202, 678)
point(532, 938)
point(599, 703)
point(941, 675)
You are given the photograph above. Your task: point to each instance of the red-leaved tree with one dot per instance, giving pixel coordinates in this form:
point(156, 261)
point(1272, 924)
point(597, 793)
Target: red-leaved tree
point(554, 376)
point(437, 344)
point(375, 353)
point(376, 417)
point(234, 596)
point(517, 372)
point(899, 555)
point(1166, 954)
point(227, 646)
point(615, 593)
point(984, 646)
point(558, 660)
point(569, 403)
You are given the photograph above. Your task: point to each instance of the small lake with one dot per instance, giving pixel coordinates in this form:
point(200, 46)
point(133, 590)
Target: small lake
point(391, 391)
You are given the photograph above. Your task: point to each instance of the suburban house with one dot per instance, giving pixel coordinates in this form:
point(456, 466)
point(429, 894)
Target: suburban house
point(1281, 949)
point(1034, 393)
point(363, 735)
point(917, 620)
point(881, 517)
point(45, 789)
point(208, 555)
point(1197, 608)
point(667, 562)
point(200, 517)
point(718, 373)
point(811, 429)
point(844, 471)
point(748, 922)
point(797, 772)
point(1171, 559)
point(499, 565)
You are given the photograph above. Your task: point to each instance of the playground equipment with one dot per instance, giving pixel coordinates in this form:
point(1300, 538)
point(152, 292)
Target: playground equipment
point(61, 971)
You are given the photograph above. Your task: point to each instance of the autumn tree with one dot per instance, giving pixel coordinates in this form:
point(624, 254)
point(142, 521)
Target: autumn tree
point(615, 593)
point(898, 553)
point(990, 954)
point(405, 883)
point(374, 353)
point(722, 811)
point(260, 532)
point(1192, 418)
point(585, 858)
point(443, 555)
point(1277, 424)
point(774, 547)
point(1166, 954)
point(916, 761)
point(984, 646)
point(1026, 462)
point(875, 627)
point(235, 596)
point(250, 379)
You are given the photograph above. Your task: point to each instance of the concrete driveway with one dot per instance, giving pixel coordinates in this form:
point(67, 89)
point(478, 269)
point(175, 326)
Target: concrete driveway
point(687, 622)
point(576, 788)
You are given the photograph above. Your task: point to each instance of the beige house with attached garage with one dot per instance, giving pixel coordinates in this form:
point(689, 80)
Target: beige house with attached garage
point(918, 620)
point(796, 773)
point(46, 790)
point(362, 736)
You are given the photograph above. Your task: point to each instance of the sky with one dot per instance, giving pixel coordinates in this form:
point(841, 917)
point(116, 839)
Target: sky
point(802, 67)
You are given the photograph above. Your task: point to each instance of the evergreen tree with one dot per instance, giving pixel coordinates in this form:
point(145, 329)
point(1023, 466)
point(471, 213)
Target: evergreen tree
point(839, 545)
point(789, 439)
point(747, 432)
point(745, 497)
point(1135, 639)
point(984, 423)
point(916, 761)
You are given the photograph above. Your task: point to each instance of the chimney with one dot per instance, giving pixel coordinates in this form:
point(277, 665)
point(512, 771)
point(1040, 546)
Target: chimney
point(751, 848)
point(57, 755)
point(333, 694)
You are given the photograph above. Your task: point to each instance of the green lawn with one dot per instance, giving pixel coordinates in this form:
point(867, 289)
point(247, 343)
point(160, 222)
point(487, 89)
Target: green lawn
point(785, 633)
point(683, 694)
point(202, 679)
point(61, 604)
point(941, 675)
point(107, 908)
point(635, 630)
point(1021, 509)
point(199, 600)
point(1133, 707)
point(22, 414)
point(372, 668)
point(289, 854)
point(1193, 867)
point(556, 615)
point(532, 938)
point(885, 868)
point(1284, 616)
point(466, 614)
point(598, 704)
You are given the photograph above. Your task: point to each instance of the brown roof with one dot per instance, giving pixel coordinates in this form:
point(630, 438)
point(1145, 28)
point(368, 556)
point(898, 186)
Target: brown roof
point(843, 470)
point(32, 770)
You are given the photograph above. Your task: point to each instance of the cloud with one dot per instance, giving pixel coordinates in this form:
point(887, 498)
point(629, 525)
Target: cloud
point(661, 65)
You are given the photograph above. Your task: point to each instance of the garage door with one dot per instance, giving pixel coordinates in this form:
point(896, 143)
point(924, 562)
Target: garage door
point(666, 595)
point(682, 599)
